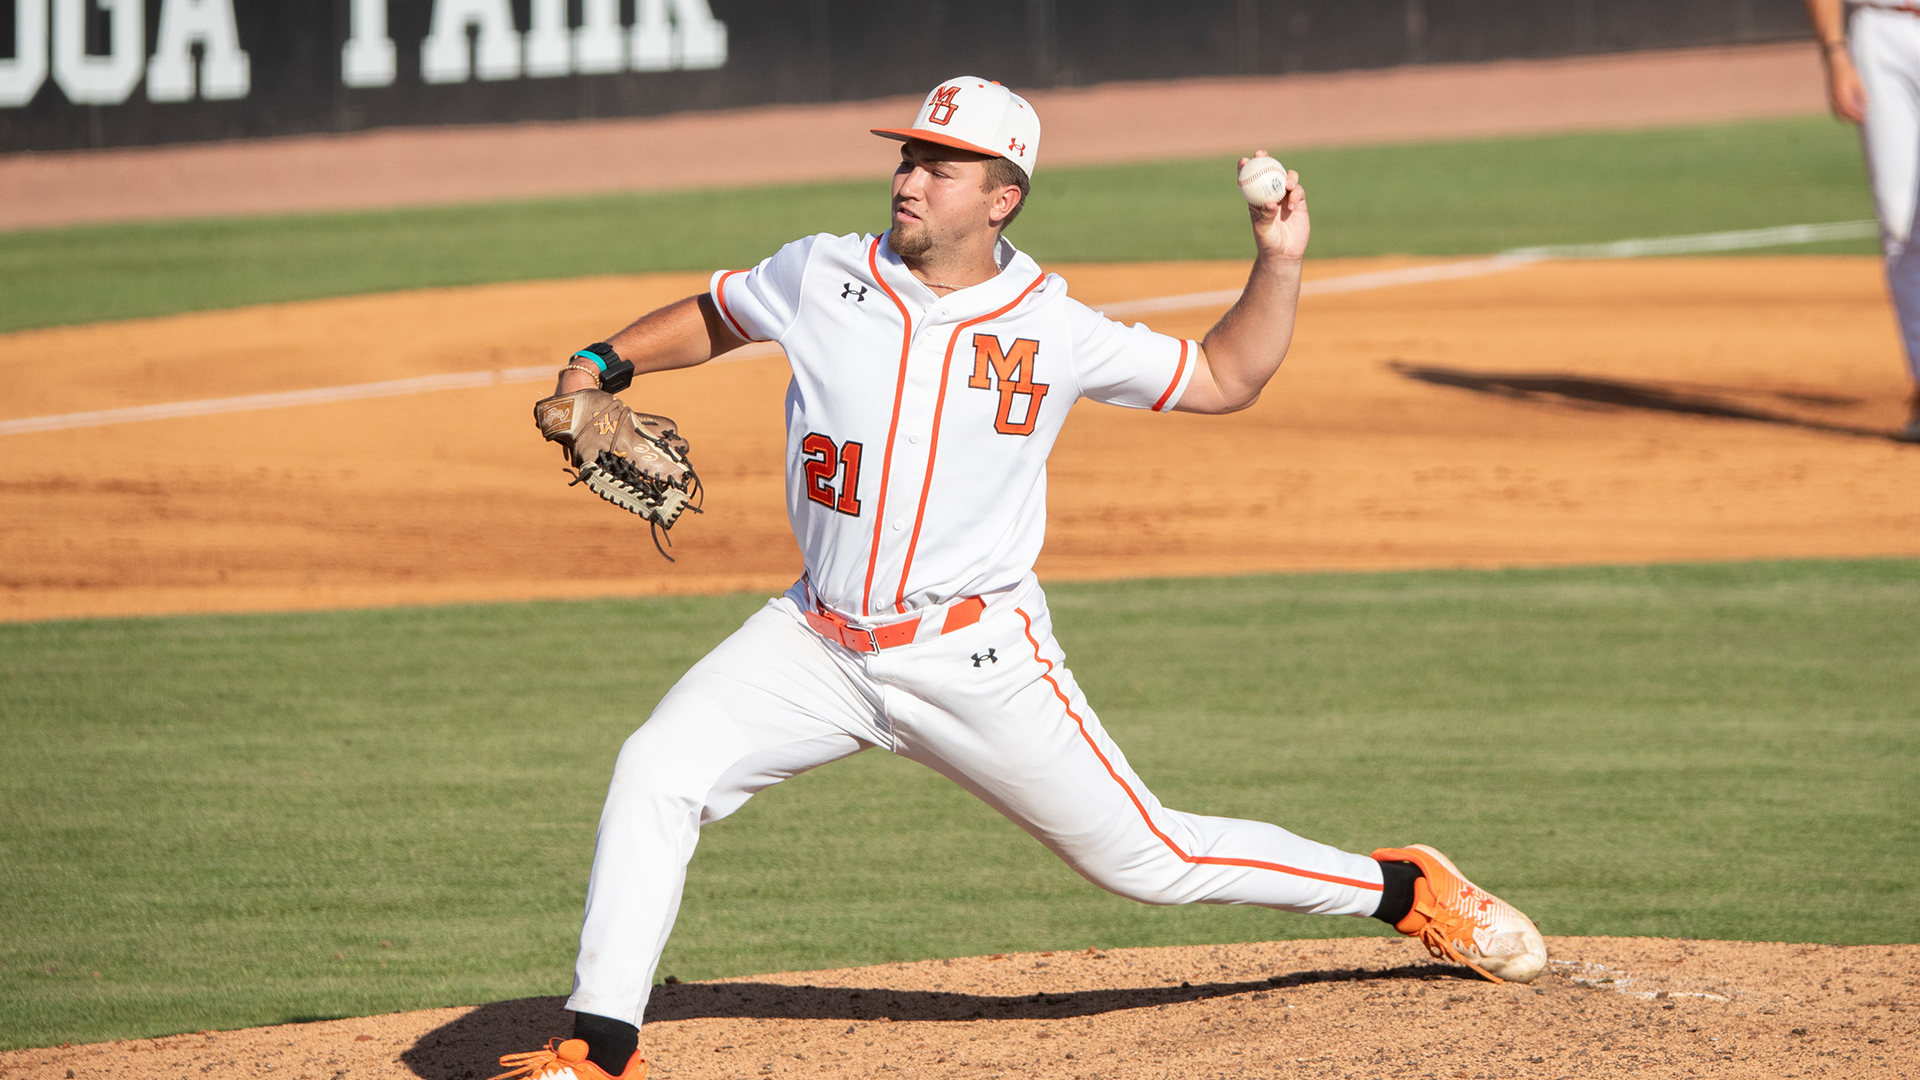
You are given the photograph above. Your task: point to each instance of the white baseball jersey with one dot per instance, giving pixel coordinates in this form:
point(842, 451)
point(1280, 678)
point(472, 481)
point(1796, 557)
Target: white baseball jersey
point(918, 426)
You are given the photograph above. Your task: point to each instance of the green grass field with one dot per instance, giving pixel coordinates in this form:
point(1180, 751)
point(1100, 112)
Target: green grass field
point(1430, 199)
point(239, 820)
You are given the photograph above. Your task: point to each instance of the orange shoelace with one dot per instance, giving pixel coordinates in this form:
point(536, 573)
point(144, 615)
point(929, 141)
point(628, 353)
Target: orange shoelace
point(1444, 927)
point(531, 1063)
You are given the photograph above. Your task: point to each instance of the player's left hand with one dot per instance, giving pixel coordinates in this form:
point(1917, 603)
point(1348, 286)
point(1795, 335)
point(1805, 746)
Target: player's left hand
point(1280, 229)
point(636, 461)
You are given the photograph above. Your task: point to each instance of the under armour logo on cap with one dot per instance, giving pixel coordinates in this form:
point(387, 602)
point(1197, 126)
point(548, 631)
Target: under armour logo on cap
point(971, 113)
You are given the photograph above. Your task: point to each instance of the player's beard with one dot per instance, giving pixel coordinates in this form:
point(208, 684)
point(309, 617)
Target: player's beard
point(910, 243)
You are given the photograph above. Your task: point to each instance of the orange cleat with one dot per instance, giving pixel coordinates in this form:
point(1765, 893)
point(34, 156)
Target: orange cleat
point(1459, 921)
point(566, 1061)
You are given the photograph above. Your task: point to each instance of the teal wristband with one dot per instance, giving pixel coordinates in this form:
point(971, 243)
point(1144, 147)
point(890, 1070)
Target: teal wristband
point(595, 357)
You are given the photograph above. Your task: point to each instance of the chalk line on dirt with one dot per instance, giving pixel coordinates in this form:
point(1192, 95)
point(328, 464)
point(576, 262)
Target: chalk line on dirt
point(1737, 240)
point(1601, 977)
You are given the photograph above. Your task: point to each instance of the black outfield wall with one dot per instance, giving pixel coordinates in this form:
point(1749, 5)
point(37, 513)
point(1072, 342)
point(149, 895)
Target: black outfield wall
point(87, 73)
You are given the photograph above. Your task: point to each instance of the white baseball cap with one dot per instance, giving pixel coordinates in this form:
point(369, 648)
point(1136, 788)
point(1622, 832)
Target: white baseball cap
point(979, 115)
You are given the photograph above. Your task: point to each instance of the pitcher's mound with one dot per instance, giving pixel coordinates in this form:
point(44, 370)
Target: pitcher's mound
point(1349, 1007)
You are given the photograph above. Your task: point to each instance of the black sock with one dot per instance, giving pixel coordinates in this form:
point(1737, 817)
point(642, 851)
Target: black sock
point(1396, 890)
point(610, 1042)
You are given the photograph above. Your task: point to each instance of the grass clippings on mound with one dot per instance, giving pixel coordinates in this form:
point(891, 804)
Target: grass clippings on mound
point(1424, 199)
point(242, 820)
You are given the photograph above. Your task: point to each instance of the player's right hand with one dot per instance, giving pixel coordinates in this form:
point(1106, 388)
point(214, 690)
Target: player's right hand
point(1846, 94)
point(1280, 230)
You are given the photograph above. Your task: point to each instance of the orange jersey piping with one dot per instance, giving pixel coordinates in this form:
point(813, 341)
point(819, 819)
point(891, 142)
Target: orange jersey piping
point(1207, 860)
point(933, 441)
point(1177, 372)
point(893, 427)
point(720, 294)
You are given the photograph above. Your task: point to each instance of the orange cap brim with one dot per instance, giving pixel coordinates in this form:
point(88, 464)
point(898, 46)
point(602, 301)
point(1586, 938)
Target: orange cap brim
point(941, 138)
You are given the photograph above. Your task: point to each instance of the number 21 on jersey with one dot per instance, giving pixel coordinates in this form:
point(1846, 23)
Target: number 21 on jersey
point(823, 461)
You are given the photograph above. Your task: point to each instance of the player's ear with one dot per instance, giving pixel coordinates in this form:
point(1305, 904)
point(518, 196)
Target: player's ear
point(1005, 202)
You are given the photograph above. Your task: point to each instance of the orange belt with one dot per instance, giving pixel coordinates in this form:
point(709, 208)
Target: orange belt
point(862, 639)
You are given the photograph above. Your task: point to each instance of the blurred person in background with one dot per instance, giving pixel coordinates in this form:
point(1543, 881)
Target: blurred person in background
point(1872, 53)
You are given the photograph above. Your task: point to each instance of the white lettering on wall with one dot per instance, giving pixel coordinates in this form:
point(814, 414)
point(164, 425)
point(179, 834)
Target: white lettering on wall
point(51, 39)
point(700, 38)
point(225, 70)
point(666, 35)
point(693, 40)
point(652, 36)
point(88, 79)
point(443, 55)
point(549, 42)
point(600, 42)
point(368, 58)
point(22, 76)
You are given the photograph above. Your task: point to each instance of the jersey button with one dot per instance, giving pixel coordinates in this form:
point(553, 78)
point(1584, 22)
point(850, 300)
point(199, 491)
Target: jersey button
point(914, 439)
point(898, 524)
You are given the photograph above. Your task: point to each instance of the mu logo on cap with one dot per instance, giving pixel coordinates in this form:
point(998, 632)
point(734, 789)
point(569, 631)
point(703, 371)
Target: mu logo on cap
point(941, 110)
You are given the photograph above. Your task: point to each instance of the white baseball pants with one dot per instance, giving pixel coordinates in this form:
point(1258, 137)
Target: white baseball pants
point(776, 699)
point(1886, 50)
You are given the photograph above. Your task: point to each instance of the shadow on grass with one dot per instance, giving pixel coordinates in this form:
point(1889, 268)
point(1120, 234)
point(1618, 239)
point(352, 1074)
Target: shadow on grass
point(467, 1048)
point(1718, 402)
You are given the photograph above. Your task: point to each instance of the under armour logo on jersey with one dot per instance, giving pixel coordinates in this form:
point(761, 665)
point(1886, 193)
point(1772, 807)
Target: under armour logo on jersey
point(1016, 147)
point(941, 109)
point(985, 658)
point(858, 292)
point(1013, 370)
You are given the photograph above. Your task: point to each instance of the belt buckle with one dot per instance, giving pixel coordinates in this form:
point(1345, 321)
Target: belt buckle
point(845, 632)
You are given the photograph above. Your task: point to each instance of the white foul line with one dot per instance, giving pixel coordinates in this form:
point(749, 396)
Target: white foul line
point(1378, 279)
point(249, 402)
point(1778, 236)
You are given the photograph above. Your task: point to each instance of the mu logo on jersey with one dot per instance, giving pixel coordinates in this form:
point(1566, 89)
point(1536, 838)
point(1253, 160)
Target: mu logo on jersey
point(1012, 370)
point(943, 107)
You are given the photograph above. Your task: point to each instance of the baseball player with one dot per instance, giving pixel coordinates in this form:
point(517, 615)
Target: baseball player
point(1872, 54)
point(933, 367)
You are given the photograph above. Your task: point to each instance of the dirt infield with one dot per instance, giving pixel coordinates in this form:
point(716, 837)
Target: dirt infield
point(1355, 1007)
point(1656, 410)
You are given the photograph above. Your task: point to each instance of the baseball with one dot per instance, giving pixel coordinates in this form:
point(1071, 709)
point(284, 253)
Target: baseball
point(1263, 180)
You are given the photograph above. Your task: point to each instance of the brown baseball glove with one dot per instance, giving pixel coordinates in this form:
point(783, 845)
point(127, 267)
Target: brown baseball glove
point(636, 461)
